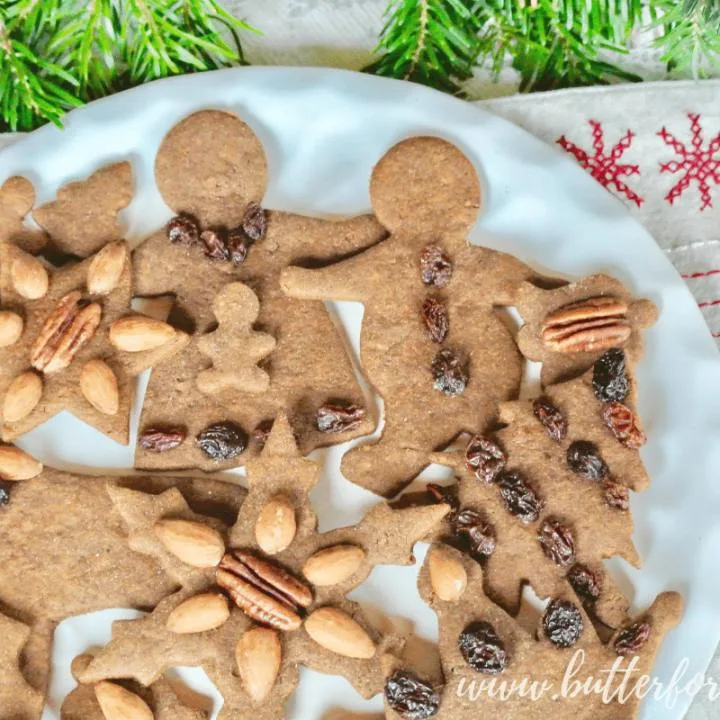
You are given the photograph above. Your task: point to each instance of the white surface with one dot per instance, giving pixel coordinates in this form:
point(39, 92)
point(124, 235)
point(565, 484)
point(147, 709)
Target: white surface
point(323, 131)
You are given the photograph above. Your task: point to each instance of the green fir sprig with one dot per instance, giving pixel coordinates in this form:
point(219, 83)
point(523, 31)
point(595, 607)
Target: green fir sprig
point(57, 54)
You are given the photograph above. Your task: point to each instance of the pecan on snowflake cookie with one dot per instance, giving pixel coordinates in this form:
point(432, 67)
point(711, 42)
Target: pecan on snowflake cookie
point(263, 597)
point(568, 328)
point(212, 172)
point(70, 341)
point(433, 344)
point(482, 646)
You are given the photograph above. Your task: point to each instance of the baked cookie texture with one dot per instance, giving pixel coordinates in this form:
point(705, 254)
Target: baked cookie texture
point(480, 642)
point(17, 197)
point(432, 343)
point(77, 345)
point(288, 584)
point(212, 168)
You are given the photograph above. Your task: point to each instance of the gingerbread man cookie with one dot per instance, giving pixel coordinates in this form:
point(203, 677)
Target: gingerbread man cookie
point(432, 343)
point(211, 170)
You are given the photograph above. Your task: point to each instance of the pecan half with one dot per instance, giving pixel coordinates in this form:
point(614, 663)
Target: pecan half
point(263, 591)
point(71, 324)
point(589, 325)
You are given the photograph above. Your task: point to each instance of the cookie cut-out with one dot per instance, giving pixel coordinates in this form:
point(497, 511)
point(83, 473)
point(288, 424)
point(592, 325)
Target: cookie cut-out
point(84, 216)
point(432, 343)
point(480, 642)
point(568, 328)
point(161, 699)
point(211, 168)
point(67, 356)
point(18, 699)
point(235, 348)
point(17, 197)
point(314, 624)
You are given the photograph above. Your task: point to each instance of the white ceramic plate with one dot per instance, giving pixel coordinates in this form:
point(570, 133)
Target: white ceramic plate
point(323, 130)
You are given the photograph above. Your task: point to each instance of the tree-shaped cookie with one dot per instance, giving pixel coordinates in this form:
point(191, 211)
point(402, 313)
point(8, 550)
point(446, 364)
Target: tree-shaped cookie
point(18, 699)
point(286, 583)
point(211, 170)
point(480, 642)
point(84, 216)
point(546, 499)
point(69, 342)
point(17, 196)
point(569, 327)
point(432, 343)
point(235, 349)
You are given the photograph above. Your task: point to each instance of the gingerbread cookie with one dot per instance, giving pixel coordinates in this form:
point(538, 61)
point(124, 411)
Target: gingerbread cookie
point(211, 169)
point(265, 596)
point(84, 216)
point(17, 197)
point(432, 343)
point(480, 642)
point(128, 700)
point(19, 700)
point(69, 342)
point(569, 327)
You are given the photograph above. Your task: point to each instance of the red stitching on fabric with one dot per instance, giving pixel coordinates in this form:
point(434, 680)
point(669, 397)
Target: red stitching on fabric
point(705, 273)
point(606, 169)
point(698, 165)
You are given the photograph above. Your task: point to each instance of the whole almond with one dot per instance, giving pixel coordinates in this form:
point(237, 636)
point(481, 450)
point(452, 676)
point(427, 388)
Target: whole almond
point(338, 632)
point(258, 654)
point(333, 565)
point(11, 328)
point(117, 703)
point(192, 542)
point(16, 464)
point(448, 577)
point(201, 613)
point(275, 526)
point(100, 387)
point(22, 396)
point(137, 333)
point(29, 277)
point(106, 268)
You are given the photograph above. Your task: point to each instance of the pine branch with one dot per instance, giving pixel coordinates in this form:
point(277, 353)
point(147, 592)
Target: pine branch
point(432, 42)
point(691, 37)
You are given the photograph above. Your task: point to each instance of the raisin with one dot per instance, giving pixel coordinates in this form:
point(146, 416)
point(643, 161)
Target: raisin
point(482, 648)
point(485, 457)
point(4, 493)
point(609, 379)
point(584, 459)
point(254, 222)
point(215, 246)
point(447, 494)
point(435, 266)
point(450, 373)
point(162, 438)
point(585, 582)
point(222, 441)
point(616, 495)
point(630, 639)
point(410, 697)
point(519, 498)
point(262, 432)
point(562, 623)
point(183, 230)
point(335, 418)
point(556, 541)
point(480, 534)
point(435, 316)
point(624, 426)
point(552, 419)
point(237, 246)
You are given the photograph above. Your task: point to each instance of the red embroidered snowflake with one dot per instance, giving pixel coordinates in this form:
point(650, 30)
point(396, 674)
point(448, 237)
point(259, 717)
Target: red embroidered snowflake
point(699, 165)
point(606, 168)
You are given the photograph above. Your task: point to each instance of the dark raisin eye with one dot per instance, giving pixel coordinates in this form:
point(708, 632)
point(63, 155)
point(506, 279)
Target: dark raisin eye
point(435, 266)
point(519, 498)
point(551, 418)
point(336, 418)
point(631, 639)
point(562, 623)
point(410, 697)
point(557, 542)
point(584, 459)
point(482, 648)
point(610, 383)
point(450, 373)
point(222, 441)
point(485, 458)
